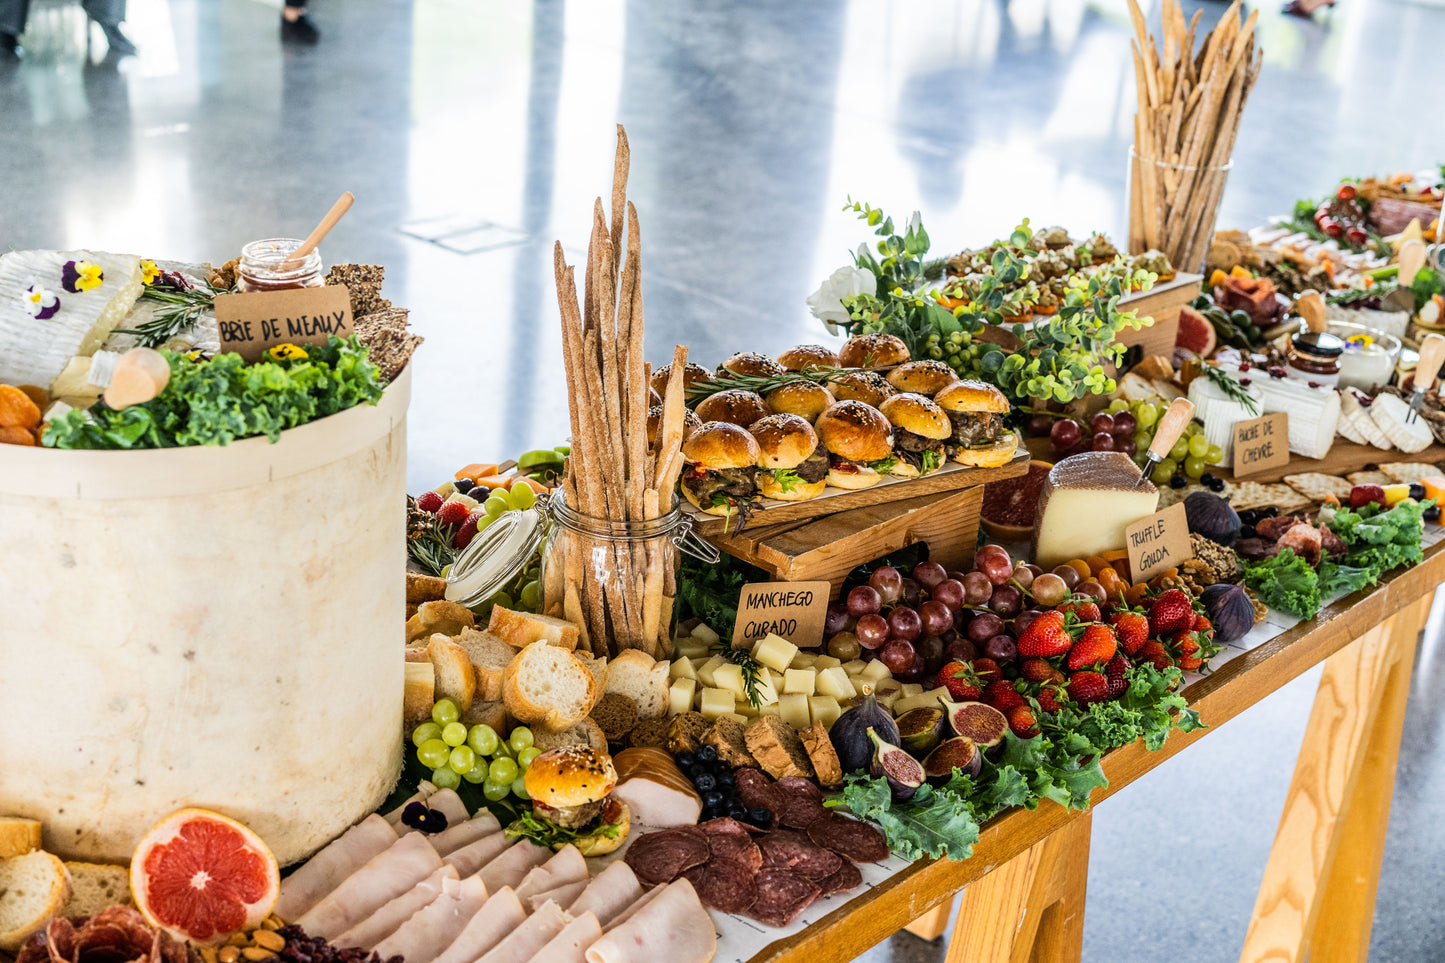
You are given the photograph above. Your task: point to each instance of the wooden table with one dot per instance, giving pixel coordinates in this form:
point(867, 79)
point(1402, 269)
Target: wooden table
point(1027, 876)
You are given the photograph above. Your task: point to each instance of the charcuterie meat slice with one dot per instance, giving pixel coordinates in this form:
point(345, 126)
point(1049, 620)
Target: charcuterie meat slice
point(724, 884)
point(798, 786)
point(739, 848)
point(800, 812)
point(795, 851)
point(847, 877)
point(849, 837)
point(662, 857)
point(782, 895)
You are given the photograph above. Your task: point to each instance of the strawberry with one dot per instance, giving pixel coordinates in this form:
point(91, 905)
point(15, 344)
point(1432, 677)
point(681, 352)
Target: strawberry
point(1001, 694)
point(468, 531)
point(1171, 612)
point(1154, 653)
point(1097, 645)
point(1187, 648)
point(1050, 698)
point(1087, 687)
point(1132, 629)
point(1086, 610)
point(1021, 720)
point(987, 670)
point(1114, 672)
point(428, 501)
point(452, 513)
point(1045, 636)
point(961, 681)
point(1037, 670)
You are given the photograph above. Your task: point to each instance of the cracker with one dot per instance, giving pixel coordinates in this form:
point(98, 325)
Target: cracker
point(389, 345)
point(1404, 472)
point(1316, 486)
point(1248, 494)
point(1172, 496)
point(1369, 478)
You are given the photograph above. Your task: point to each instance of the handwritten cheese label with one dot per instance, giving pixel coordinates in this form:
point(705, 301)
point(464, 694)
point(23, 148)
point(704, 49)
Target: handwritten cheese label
point(1158, 542)
point(794, 610)
point(1261, 444)
point(252, 322)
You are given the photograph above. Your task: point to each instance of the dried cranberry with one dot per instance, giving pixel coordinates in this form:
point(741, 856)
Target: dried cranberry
point(1276, 371)
point(1314, 384)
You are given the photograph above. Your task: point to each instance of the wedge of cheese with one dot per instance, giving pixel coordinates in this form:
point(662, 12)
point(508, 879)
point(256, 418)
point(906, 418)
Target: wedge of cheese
point(1087, 502)
point(35, 352)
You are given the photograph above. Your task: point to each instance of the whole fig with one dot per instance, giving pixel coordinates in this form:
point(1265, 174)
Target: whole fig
point(849, 734)
point(1229, 608)
point(1213, 517)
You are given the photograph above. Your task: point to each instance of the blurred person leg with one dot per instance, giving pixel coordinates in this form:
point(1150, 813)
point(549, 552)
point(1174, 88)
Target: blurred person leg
point(109, 14)
point(296, 26)
point(12, 24)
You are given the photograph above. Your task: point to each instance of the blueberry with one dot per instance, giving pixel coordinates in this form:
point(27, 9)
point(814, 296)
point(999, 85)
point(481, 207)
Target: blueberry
point(1247, 531)
point(1270, 512)
point(725, 781)
point(685, 759)
point(737, 810)
point(712, 800)
point(1431, 514)
point(707, 754)
point(1207, 479)
point(761, 816)
point(463, 485)
point(1178, 481)
point(1216, 485)
point(1417, 491)
point(705, 782)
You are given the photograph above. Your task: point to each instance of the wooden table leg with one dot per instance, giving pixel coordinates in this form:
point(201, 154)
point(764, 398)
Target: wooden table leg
point(1319, 885)
point(1030, 908)
point(930, 925)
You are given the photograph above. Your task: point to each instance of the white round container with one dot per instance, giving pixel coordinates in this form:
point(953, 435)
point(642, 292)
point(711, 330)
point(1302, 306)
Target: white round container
point(212, 626)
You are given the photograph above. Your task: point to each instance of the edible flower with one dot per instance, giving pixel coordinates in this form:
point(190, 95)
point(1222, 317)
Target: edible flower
point(286, 352)
point(1359, 341)
point(40, 303)
point(826, 303)
point(149, 272)
point(79, 276)
point(419, 817)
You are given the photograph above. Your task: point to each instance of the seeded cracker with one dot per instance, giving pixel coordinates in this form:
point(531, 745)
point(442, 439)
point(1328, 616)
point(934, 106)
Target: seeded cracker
point(1369, 478)
point(1250, 494)
point(364, 283)
point(389, 344)
point(1316, 485)
point(1404, 472)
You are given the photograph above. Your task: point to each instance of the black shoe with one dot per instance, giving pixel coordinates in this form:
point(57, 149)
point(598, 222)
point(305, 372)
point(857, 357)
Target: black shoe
point(118, 42)
point(301, 30)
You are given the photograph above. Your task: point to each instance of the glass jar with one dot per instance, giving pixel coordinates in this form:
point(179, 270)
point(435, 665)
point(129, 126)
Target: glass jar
point(1315, 356)
point(263, 267)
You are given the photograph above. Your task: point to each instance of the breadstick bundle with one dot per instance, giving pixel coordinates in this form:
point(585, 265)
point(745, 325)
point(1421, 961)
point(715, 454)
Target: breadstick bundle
point(611, 571)
point(1189, 110)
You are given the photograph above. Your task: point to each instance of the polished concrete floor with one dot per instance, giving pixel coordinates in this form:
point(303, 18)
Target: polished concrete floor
point(476, 132)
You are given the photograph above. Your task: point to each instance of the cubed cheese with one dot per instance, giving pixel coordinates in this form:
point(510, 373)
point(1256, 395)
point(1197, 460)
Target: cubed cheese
point(737, 717)
point(826, 662)
point(730, 677)
point(715, 702)
point(679, 695)
point(706, 670)
point(824, 709)
point(1087, 502)
point(835, 682)
point(888, 692)
point(920, 701)
point(803, 660)
point(746, 710)
point(802, 681)
point(911, 689)
point(774, 651)
point(691, 648)
point(875, 672)
point(707, 635)
point(794, 710)
point(682, 669)
point(767, 691)
point(854, 667)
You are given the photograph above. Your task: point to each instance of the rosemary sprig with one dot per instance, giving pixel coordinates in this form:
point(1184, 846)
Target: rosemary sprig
point(1232, 389)
point(425, 545)
point(761, 384)
point(182, 308)
point(751, 671)
point(1352, 295)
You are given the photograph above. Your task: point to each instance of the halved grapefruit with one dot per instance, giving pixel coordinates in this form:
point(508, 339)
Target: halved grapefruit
point(201, 876)
point(1010, 505)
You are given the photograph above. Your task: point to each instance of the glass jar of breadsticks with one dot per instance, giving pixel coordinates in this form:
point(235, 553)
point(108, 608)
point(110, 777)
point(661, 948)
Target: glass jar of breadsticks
point(616, 579)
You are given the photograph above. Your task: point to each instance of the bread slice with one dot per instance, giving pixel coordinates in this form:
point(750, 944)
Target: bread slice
point(546, 685)
point(729, 738)
point(448, 618)
point(18, 836)
point(777, 747)
point(96, 886)
point(642, 679)
point(598, 668)
point(521, 629)
point(484, 712)
point(685, 732)
point(648, 732)
point(33, 888)
point(418, 691)
point(823, 756)
point(455, 678)
point(490, 657)
point(616, 714)
point(424, 588)
point(585, 733)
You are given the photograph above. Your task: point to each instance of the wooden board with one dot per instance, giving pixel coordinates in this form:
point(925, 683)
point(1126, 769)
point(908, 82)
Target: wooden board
point(1344, 457)
point(951, 477)
point(1162, 303)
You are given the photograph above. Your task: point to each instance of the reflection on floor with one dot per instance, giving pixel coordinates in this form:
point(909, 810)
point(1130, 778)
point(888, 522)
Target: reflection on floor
point(476, 132)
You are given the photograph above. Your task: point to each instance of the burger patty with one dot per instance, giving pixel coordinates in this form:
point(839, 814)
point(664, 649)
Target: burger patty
point(814, 468)
point(705, 484)
point(569, 817)
point(975, 428)
point(905, 440)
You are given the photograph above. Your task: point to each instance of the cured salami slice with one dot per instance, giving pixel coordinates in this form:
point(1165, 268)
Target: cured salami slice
point(849, 837)
point(847, 877)
point(663, 856)
point(741, 848)
point(782, 895)
point(724, 884)
point(798, 786)
point(800, 811)
point(755, 790)
point(795, 851)
point(725, 826)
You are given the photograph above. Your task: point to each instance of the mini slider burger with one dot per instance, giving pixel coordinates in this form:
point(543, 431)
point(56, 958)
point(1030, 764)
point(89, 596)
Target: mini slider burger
point(927, 377)
point(859, 442)
point(720, 462)
point(872, 351)
point(690, 423)
point(691, 375)
point(920, 427)
point(792, 464)
point(571, 790)
point(735, 405)
point(869, 387)
point(750, 363)
point(801, 357)
point(979, 437)
point(805, 398)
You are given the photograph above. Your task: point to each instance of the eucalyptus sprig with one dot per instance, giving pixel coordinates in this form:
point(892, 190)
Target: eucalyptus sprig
point(751, 671)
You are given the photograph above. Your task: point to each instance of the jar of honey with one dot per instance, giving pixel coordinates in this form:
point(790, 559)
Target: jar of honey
point(264, 267)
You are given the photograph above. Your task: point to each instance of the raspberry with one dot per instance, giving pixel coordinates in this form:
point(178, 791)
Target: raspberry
point(428, 501)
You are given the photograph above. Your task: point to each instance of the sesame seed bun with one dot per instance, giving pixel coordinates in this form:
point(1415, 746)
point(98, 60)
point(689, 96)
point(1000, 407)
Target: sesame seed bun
point(801, 357)
point(805, 398)
point(873, 351)
point(864, 477)
point(691, 375)
point(690, 423)
point(717, 445)
point(734, 405)
point(915, 413)
point(784, 441)
point(856, 431)
point(869, 387)
point(797, 491)
point(751, 363)
point(570, 776)
point(999, 453)
point(927, 377)
point(971, 395)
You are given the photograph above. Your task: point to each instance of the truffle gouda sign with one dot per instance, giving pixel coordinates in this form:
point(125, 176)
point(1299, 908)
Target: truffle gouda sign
point(1158, 542)
point(252, 322)
point(793, 610)
point(1261, 444)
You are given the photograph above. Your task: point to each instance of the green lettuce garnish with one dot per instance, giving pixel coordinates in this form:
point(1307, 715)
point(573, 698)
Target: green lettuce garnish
point(931, 460)
point(547, 833)
point(1285, 582)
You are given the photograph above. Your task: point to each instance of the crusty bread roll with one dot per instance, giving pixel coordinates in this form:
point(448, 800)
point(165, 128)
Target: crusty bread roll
point(490, 657)
point(548, 686)
point(521, 629)
point(873, 351)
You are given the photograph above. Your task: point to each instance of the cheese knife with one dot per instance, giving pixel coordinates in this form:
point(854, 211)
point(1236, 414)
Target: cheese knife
point(1432, 355)
point(1410, 258)
point(1166, 433)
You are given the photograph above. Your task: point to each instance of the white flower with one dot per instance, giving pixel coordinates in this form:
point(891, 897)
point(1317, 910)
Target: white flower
point(826, 303)
point(914, 223)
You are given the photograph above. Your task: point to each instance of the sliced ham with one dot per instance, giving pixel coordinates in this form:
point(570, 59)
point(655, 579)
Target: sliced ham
point(325, 871)
point(673, 926)
point(446, 802)
point(522, 944)
point(633, 908)
point(500, 915)
point(424, 789)
point(433, 927)
point(512, 866)
point(658, 801)
point(570, 945)
point(386, 876)
point(610, 892)
point(461, 834)
point(564, 895)
point(385, 921)
point(475, 855)
point(567, 866)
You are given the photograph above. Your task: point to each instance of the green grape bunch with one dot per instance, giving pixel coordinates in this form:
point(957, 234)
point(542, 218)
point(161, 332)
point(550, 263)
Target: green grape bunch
point(478, 754)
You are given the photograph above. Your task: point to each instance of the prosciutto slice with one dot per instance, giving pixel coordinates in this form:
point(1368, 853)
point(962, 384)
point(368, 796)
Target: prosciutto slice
point(389, 918)
point(672, 926)
point(386, 876)
point(475, 855)
point(433, 927)
point(567, 866)
point(454, 837)
point(510, 868)
point(500, 915)
point(570, 945)
point(326, 870)
point(522, 944)
point(610, 892)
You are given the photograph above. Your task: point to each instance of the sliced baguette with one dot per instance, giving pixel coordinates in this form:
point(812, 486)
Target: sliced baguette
point(18, 836)
point(485, 712)
point(598, 668)
point(33, 888)
point(95, 886)
point(418, 691)
point(490, 657)
point(642, 679)
point(546, 685)
point(455, 678)
point(521, 629)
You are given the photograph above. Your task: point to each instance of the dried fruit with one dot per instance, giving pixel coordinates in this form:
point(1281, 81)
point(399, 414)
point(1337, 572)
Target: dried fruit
point(17, 410)
point(17, 436)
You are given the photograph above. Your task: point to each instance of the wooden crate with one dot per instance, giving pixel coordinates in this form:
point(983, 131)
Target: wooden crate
point(1162, 303)
point(831, 546)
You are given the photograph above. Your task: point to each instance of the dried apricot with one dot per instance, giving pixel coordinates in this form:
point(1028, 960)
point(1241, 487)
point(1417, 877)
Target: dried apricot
point(39, 395)
point(10, 435)
point(1080, 566)
point(17, 410)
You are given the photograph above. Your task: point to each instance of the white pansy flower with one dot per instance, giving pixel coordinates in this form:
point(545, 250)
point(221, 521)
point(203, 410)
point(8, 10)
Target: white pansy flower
point(826, 303)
